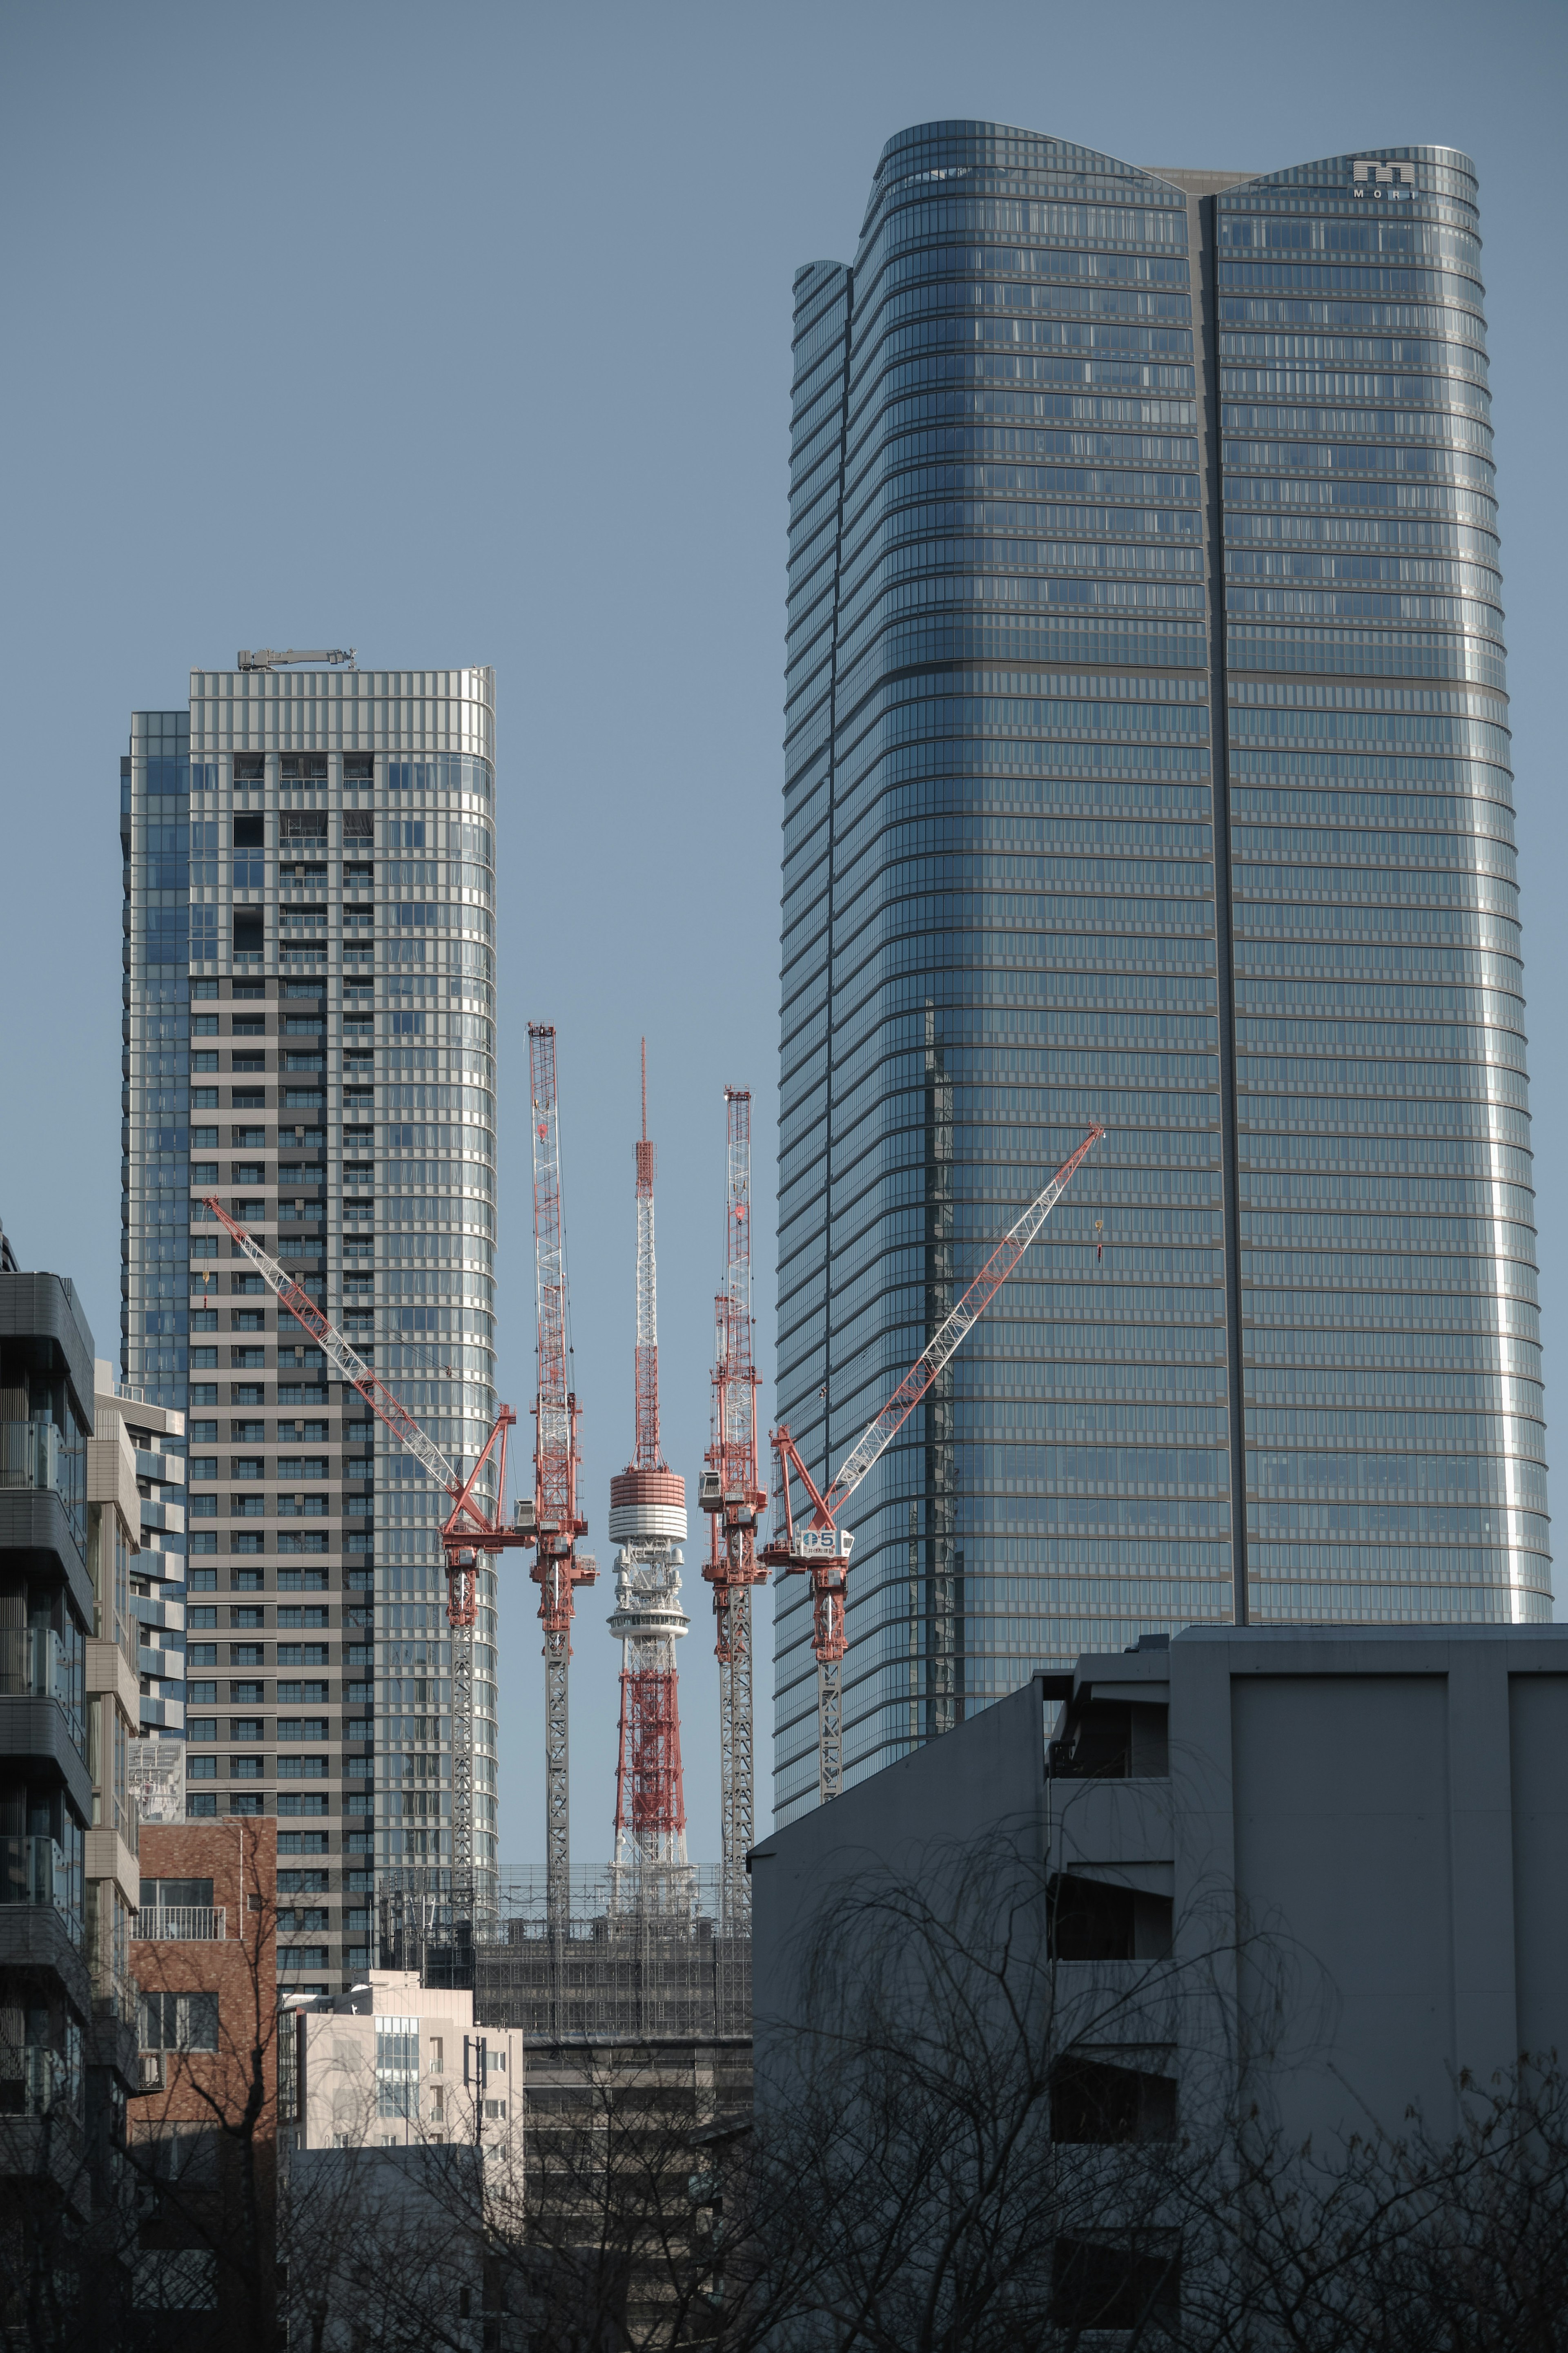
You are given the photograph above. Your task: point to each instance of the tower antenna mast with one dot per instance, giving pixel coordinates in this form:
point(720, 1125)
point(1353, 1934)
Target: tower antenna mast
point(649, 1872)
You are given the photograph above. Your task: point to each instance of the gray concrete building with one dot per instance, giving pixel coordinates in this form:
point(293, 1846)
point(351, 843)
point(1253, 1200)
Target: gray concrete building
point(1373, 1820)
point(310, 1010)
point(68, 1526)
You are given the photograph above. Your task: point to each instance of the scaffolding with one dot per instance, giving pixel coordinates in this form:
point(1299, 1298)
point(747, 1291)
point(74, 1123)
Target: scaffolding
point(596, 1972)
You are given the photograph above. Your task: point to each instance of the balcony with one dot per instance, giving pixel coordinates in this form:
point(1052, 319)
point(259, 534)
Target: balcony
point(183, 1923)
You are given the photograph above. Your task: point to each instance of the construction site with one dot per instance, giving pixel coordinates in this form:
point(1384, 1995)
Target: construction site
point(652, 1954)
point(632, 1986)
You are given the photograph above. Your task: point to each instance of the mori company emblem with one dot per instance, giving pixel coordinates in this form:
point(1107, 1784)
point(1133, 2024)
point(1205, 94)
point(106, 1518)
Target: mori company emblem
point(1373, 179)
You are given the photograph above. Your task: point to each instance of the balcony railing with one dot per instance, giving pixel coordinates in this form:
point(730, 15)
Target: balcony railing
point(183, 1923)
point(36, 1455)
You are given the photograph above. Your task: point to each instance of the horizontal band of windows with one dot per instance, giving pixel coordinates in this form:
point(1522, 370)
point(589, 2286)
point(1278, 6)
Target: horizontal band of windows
point(974, 591)
point(1382, 1564)
point(1477, 788)
point(1085, 739)
point(1390, 1272)
point(1465, 1059)
point(1485, 1040)
point(1446, 392)
point(1475, 1392)
point(1176, 644)
point(1480, 623)
point(1414, 1524)
point(1485, 883)
point(1419, 1479)
point(980, 321)
point(1015, 843)
point(1365, 460)
point(1496, 1435)
point(1451, 348)
point(1050, 971)
point(1296, 1147)
point(1367, 1347)
point(1249, 528)
point(1316, 1605)
point(1475, 985)
point(1041, 568)
point(883, 276)
point(942, 423)
point(1303, 712)
point(1252, 646)
point(904, 867)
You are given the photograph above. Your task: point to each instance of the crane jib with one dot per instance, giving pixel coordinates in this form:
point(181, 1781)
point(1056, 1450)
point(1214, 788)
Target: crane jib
point(954, 1331)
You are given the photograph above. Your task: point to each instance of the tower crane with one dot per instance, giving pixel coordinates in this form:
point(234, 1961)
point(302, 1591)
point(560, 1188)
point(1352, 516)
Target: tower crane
point(552, 1521)
point(733, 1494)
point(819, 1547)
point(468, 1528)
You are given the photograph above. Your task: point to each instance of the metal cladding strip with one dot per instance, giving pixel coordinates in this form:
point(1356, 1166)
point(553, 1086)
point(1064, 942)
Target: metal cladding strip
point(961, 1320)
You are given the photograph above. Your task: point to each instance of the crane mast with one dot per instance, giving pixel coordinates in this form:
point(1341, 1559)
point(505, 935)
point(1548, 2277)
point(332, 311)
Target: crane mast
point(819, 1547)
point(554, 1523)
point(733, 1494)
point(647, 1523)
point(468, 1528)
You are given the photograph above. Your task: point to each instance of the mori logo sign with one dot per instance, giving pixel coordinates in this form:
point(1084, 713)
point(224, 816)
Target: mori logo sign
point(1373, 179)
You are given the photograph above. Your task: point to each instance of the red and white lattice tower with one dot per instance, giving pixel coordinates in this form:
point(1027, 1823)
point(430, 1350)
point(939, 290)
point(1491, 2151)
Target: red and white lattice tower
point(647, 1523)
point(733, 1496)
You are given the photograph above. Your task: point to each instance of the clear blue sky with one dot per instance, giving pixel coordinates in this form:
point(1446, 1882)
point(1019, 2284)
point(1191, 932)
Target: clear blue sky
point(461, 334)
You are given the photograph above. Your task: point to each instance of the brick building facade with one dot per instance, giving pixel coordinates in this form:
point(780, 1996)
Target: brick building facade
point(204, 2128)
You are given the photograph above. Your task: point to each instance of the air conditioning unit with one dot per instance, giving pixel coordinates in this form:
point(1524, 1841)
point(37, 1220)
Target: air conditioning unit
point(153, 2076)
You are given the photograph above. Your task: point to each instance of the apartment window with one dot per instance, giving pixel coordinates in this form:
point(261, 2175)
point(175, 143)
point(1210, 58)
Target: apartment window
point(180, 2021)
point(398, 2066)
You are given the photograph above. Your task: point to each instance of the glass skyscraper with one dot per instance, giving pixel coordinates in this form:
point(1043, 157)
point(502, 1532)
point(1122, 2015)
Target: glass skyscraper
point(1147, 762)
point(310, 1008)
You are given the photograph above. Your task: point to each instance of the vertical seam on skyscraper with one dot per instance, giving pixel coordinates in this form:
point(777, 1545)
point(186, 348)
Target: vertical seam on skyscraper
point(1204, 212)
point(832, 862)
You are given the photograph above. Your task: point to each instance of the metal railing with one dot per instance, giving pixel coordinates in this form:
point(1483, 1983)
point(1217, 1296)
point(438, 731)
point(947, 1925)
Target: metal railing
point(183, 1923)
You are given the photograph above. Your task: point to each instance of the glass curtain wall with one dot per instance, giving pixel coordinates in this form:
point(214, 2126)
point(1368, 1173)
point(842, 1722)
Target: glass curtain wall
point(1273, 1355)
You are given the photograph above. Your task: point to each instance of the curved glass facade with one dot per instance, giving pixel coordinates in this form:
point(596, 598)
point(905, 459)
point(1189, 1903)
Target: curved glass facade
point(1083, 456)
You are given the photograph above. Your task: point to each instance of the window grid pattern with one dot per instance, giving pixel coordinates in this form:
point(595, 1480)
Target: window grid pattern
point(1036, 470)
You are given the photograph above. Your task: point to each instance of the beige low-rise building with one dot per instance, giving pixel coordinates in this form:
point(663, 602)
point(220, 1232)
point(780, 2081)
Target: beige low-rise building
point(394, 2063)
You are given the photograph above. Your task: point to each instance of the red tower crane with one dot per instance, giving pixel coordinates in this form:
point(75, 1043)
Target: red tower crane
point(819, 1548)
point(552, 1523)
point(468, 1528)
point(647, 1521)
point(732, 1493)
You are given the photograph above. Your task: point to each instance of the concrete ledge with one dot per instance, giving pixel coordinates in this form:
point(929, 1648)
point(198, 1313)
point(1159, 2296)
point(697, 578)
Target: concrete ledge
point(43, 1307)
point(108, 1857)
point(47, 2149)
point(33, 1937)
point(109, 1671)
point(33, 1519)
point(111, 2043)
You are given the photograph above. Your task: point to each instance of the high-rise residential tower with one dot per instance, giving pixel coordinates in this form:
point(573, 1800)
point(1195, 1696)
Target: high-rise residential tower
point(1147, 762)
point(309, 995)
